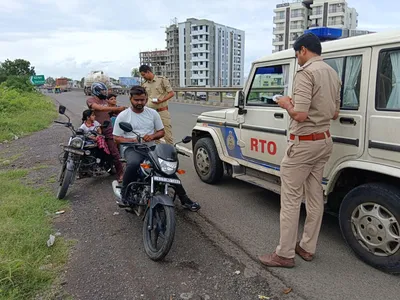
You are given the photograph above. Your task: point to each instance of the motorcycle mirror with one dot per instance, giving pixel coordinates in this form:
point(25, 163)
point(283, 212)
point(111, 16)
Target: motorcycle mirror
point(125, 126)
point(187, 139)
point(61, 109)
point(106, 123)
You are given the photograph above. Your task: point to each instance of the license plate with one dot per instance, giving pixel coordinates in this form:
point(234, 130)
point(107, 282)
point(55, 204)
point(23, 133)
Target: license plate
point(167, 180)
point(72, 150)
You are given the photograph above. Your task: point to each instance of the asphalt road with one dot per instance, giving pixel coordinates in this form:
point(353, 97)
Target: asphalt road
point(238, 220)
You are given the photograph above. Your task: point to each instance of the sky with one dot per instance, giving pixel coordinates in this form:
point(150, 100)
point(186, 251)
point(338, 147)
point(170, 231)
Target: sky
point(71, 38)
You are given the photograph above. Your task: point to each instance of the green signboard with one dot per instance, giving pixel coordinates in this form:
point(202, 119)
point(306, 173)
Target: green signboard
point(38, 80)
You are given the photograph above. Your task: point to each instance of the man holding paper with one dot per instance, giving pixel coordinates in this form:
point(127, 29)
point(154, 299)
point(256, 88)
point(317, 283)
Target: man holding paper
point(159, 91)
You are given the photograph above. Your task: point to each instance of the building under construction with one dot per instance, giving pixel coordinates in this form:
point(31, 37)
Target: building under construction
point(156, 59)
point(172, 39)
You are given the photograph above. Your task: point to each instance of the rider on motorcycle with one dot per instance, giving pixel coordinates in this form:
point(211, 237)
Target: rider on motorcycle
point(98, 103)
point(146, 122)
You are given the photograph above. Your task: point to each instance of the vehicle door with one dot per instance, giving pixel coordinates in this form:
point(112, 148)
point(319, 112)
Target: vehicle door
point(383, 130)
point(264, 132)
point(348, 131)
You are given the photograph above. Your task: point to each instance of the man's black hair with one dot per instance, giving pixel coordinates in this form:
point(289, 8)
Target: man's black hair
point(145, 69)
point(309, 41)
point(111, 95)
point(137, 90)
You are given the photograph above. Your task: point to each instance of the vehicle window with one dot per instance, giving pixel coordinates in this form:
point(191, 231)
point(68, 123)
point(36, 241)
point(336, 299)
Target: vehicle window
point(388, 81)
point(349, 71)
point(267, 82)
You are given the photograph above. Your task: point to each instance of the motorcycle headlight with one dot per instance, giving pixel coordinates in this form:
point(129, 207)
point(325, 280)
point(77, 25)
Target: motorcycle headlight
point(168, 167)
point(76, 143)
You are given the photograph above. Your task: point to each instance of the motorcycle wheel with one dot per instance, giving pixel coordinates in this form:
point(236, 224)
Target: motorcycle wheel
point(164, 227)
point(62, 190)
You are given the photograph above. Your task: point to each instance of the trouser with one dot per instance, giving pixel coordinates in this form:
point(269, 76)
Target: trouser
point(166, 120)
point(301, 174)
point(113, 151)
point(133, 161)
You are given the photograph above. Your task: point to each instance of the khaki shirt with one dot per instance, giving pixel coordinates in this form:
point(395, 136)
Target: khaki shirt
point(316, 90)
point(158, 88)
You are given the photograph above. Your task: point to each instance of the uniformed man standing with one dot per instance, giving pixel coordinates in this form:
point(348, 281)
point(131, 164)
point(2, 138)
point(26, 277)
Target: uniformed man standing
point(316, 100)
point(159, 91)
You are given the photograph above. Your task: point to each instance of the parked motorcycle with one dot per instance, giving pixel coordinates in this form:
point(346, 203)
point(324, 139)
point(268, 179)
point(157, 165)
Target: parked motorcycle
point(153, 195)
point(81, 156)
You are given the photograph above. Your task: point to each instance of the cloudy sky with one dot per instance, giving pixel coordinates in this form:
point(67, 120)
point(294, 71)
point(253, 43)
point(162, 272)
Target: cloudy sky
point(71, 38)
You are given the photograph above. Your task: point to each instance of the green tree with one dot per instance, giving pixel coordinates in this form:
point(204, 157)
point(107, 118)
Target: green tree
point(83, 82)
point(50, 81)
point(18, 67)
point(135, 72)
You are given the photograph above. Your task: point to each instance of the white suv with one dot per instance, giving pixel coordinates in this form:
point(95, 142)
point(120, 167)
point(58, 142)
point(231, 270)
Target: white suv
point(361, 179)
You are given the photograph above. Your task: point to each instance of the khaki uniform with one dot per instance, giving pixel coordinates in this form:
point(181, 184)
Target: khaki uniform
point(158, 88)
point(316, 91)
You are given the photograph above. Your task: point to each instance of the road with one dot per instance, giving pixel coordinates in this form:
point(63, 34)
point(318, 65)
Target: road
point(242, 221)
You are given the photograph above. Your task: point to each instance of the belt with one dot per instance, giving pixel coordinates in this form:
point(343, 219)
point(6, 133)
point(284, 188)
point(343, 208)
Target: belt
point(312, 136)
point(162, 108)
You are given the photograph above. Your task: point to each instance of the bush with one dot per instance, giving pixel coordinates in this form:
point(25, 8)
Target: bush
point(22, 113)
point(19, 83)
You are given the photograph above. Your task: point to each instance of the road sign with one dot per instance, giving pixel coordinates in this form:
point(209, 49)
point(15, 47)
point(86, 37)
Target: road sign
point(38, 80)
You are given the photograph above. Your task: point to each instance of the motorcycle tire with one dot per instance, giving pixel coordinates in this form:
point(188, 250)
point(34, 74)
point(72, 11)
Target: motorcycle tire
point(62, 190)
point(168, 228)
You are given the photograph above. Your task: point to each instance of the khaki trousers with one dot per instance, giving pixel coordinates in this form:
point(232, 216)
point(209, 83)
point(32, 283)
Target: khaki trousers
point(166, 119)
point(301, 174)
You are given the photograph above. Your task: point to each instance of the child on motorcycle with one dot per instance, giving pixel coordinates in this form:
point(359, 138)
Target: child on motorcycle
point(112, 101)
point(89, 123)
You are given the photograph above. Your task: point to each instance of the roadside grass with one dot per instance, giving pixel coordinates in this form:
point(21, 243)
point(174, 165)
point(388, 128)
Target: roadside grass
point(22, 113)
point(28, 267)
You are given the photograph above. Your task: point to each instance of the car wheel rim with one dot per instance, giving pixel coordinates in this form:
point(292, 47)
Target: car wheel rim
point(376, 229)
point(202, 161)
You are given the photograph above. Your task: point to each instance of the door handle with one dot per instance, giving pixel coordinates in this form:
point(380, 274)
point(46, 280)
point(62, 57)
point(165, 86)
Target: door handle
point(345, 120)
point(278, 115)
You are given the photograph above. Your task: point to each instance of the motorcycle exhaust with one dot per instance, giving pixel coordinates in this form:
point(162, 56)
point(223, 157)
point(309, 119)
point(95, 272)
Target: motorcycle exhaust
point(116, 189)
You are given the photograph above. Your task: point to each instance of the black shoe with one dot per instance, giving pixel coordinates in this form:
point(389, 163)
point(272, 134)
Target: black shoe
point(189, 204)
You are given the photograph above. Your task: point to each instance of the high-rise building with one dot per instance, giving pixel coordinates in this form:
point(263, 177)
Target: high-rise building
point(292, 19)
point(156, 59)
point(210, 54)
point(172, 66)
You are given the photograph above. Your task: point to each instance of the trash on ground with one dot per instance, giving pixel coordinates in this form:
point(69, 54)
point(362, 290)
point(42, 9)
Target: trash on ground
point(51, 240)
point(287, 291)
point(116, 213)
point(60, 212)
point(237, 272)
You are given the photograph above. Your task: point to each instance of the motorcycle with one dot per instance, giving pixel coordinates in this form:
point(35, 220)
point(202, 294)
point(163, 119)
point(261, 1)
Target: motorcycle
point(81, 157)
point(153, 195)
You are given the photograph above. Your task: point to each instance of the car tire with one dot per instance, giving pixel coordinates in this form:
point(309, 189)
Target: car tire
point(369, 218)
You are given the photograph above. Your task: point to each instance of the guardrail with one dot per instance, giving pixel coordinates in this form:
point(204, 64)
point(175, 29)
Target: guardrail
point(192, 92)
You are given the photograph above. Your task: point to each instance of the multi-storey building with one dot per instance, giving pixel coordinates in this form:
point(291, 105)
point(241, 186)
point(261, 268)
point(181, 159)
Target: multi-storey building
point(292, 19)
point(172, 67)
point(210, 54)
point(156, 59)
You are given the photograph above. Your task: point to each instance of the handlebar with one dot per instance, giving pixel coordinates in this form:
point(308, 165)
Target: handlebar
point(58, 122)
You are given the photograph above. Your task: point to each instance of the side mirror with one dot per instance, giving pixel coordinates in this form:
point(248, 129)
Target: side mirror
point(187, 139)
point(61, 109)
point(125, 126)
point(239, 102)
point(106, 123)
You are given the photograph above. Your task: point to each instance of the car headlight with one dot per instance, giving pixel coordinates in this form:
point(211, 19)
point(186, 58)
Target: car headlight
point(76, 143)
point(168, 167)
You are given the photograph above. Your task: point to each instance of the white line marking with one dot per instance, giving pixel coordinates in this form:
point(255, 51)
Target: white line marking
point(195, 115)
